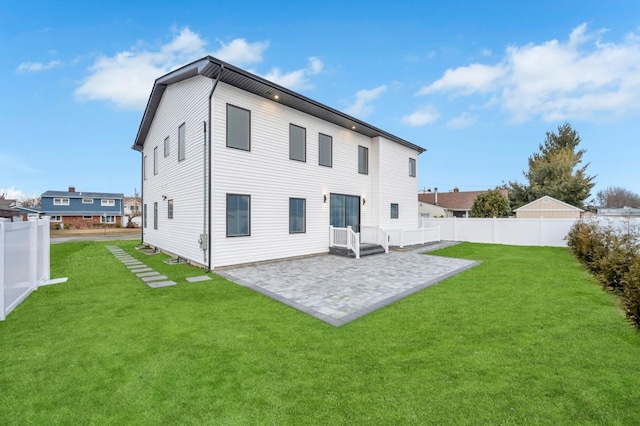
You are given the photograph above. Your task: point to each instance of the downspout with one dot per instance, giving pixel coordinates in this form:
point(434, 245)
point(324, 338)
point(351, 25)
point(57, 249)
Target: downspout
point(208, 196)
point(141, 197)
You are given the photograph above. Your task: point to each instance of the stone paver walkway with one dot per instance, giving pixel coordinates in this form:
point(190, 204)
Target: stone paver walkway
point(150, 277)
point(338, 290)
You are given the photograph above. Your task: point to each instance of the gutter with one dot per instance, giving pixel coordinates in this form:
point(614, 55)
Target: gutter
point(207, 208)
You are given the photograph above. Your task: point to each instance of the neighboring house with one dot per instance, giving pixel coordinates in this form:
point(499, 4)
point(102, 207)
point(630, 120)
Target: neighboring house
point(8, 210)
point(449, 204)
point(623, 213)
point(28, 212)
point(548, 207)
point(132, 211)
point(238, 169)
point(82, 209)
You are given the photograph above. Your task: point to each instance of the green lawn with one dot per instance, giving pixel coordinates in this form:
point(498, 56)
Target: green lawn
point(527, 337)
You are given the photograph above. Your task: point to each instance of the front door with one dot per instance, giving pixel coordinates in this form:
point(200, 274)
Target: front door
point(345, 211)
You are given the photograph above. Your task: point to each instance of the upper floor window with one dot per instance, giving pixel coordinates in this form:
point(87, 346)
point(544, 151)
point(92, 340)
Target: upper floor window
point(60, 201)
point(238, 128)
point(144, 167)
point(155, 160)
point(166, 146)
point(182, 143)
point(87, 201)
point(412, 167)
point(395, 211)
point(363, 160)
point(297, 143)
point(325, 150)
point(108, 203)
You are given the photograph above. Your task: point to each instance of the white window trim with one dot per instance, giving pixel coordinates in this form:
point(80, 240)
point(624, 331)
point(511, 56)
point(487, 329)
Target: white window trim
point(108, 202)
point(108, 219)
point(56, 218)
point(87, 217)
point(60, 201)
point(87, 201)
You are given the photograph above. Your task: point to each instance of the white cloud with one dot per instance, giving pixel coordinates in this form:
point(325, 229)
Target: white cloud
point(298, 79)
point(240, 53)
point(555, 80)
point(422, 116)
point(12, 193)
point(466, 80)
point(126, 78)
point(37, 66)
point(362, 106)
point(463, 120)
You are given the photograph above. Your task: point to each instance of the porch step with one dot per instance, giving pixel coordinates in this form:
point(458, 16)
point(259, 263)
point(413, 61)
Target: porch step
point(365, 250)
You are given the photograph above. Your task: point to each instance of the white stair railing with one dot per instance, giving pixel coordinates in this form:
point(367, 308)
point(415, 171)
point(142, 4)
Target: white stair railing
point(345, 237)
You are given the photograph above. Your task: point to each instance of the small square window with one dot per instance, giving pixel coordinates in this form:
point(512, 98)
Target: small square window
point(395, 211)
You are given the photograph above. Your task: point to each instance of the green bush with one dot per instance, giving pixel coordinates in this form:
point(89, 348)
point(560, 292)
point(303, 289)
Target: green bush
point(612, 255)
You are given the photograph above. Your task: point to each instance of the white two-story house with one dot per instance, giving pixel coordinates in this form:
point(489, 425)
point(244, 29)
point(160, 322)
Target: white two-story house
point(238, 169)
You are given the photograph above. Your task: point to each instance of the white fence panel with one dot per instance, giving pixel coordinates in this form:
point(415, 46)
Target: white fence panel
point(410, 237)
point(521, 232)
point(24, 261)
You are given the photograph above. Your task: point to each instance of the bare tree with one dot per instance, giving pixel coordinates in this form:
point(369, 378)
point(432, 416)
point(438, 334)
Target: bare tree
point(617, 197)
point(31, 202)
point(135, 209)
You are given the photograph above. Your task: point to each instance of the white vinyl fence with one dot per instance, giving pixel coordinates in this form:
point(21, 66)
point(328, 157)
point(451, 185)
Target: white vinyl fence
point(517, 232)
point(24, 261)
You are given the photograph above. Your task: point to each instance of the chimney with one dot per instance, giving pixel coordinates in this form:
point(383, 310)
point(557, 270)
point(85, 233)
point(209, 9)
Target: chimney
point(455, 189)
point(436, 191)
point(72, 189)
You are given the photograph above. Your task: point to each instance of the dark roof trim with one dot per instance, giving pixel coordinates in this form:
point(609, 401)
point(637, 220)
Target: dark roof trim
point(234, 76)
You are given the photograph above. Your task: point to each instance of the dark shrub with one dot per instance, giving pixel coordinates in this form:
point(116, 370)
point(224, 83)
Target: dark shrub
point(632, 293)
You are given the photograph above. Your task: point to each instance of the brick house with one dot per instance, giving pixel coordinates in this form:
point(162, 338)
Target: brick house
point(83, 210)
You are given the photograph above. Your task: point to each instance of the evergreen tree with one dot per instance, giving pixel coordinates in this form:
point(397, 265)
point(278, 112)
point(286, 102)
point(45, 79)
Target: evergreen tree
point(555, 171)
point(490, 204)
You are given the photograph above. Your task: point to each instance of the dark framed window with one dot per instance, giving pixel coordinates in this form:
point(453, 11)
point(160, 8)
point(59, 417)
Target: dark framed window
point(325, 150)
point(167, 146)
point(155, 215)
point(412, 167)
point(238, 128)
point(170, 209)
point(182, 142)
point(238, 215)
point(155, 160)
point(144, 168)
point(144, 215)
point(363, 160)
point(297, 215)
point(395, 211)
point(297, 143)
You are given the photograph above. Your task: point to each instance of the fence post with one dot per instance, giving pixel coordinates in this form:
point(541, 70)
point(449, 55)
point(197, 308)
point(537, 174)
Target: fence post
point(330, 235)
point(33, 254)
point(2, 301)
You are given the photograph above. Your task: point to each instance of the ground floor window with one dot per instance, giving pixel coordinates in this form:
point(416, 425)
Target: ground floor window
point(87, 217)
point(56, 218)
point(107, 219)
point(395, 213)
point(297, 215)
point(170, 209)
point(238, 215)
point(155, 215)
point(144, 215)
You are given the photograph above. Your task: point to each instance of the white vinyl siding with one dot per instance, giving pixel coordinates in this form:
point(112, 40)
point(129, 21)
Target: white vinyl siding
point(238, 128)
point(297, 143)
point(325, 150)
point(182, 142)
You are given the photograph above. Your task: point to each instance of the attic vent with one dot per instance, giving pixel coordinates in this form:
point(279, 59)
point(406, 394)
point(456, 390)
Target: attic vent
point(545, 200)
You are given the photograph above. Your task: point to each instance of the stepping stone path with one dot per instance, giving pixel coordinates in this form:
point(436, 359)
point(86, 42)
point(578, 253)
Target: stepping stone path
point(150, 277)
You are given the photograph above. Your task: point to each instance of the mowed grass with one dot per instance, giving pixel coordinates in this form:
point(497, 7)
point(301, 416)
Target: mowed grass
point(527, 337)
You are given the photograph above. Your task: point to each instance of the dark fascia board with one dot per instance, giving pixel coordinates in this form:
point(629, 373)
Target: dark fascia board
point(210, 67)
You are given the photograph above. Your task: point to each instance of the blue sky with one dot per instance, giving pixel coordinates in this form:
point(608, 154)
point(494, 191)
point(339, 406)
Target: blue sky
point(476, 83)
